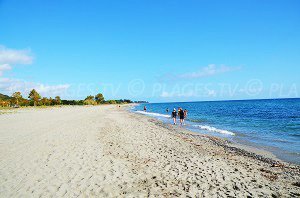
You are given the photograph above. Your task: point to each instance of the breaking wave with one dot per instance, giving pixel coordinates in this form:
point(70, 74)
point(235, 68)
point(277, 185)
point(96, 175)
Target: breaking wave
point(213, 129)
point(154, 114)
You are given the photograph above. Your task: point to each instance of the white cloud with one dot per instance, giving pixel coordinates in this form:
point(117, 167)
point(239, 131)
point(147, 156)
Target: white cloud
point(10, 86)
point(209, 70)
point(9, 57)
point(188, 91)
point(166, 94)
point(4, 67)
point(211, 93)
point(12, 56)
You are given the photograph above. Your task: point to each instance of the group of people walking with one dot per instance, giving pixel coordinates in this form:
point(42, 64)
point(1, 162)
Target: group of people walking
point(181, 113)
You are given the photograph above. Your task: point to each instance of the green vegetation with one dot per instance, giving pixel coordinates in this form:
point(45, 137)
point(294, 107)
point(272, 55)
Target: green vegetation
point(57, 100)
point(16, 97)
point(89, 100)
point(4, 97)
point(35, 99)
point(4, 100)
point(99, 98)
point(111, 102)
point(34, 96)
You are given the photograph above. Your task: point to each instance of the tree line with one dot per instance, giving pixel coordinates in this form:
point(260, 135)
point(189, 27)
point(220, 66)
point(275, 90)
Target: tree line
point(35, 99)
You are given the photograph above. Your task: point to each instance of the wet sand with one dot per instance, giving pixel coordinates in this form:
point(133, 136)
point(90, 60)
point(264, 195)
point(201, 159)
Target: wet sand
point(107, 151)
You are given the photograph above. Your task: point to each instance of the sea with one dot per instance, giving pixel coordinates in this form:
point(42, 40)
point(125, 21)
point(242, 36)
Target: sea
point(269, 124)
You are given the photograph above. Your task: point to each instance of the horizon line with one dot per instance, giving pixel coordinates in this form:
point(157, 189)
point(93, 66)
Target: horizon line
point(224, 100)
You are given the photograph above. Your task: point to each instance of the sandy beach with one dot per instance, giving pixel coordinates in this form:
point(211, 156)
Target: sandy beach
point(106, 151)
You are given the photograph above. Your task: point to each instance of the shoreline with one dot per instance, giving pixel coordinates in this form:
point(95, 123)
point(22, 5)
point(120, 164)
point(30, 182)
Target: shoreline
point(248, 150)
point(248, 146)
point(245, 150)
point(109, 151)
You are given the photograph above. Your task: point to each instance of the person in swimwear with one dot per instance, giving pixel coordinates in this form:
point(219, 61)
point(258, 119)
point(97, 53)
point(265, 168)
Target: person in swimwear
point(174, 115)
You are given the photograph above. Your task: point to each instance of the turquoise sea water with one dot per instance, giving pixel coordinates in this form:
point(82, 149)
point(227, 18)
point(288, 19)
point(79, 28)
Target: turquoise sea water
point(272, 124)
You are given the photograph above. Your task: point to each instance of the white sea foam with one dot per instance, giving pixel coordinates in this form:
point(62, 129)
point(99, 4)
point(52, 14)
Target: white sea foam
point(213, 129)
point(153, 114)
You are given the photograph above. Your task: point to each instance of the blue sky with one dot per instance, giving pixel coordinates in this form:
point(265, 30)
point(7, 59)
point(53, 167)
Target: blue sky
point(168, 50)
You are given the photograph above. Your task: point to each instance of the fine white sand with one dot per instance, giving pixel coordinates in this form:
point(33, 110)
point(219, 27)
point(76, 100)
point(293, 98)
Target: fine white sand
point(105, 151)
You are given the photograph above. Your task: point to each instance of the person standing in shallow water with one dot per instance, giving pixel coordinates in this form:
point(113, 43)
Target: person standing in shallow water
point(181, 116)
point(185, 115)
point(145, 108)
point(174, 115)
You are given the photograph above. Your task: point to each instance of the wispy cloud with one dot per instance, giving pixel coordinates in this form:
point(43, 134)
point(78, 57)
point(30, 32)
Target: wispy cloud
point(3, 68)
point(202, 72)
point(12, 85)
point(186, 94)
point(211, 93)
point(209, 70)
point(12, 57)
point(166, 94)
